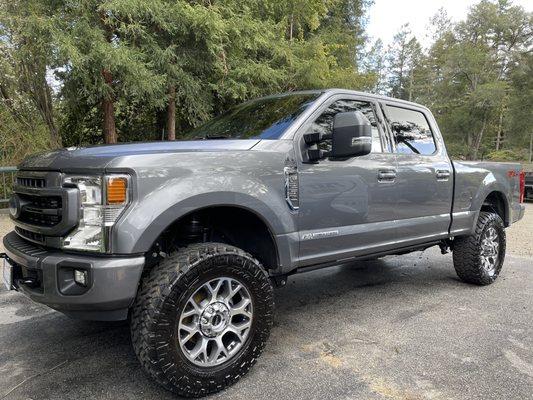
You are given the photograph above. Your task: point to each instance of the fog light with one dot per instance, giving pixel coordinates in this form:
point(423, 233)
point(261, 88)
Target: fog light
point(80, 277)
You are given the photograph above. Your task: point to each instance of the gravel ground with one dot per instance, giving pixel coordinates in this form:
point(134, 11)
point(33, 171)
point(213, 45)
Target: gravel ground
point(5, 227)
point(400, 328)
point(520, 235)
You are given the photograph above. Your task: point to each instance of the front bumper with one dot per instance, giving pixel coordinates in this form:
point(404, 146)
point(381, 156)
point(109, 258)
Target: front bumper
point(111, 287)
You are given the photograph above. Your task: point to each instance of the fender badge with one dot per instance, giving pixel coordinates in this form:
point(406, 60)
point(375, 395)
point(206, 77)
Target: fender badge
point(319, 235)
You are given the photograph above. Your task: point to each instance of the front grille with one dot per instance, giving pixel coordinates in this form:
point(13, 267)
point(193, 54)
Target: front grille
point(45, 209)
point(529, 178)
point(41, 210)
point(31, 182)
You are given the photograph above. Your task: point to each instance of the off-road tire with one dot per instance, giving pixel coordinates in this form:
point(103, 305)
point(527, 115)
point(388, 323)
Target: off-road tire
point(161, 298)
point(467, 251)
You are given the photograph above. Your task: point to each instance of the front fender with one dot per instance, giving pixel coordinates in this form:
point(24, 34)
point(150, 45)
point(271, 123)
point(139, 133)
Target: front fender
point(172, 199)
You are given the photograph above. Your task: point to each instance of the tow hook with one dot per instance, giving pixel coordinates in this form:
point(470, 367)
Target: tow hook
point(31, 282)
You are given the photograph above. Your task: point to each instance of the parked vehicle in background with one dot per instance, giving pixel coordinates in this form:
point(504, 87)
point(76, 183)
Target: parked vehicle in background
point(188, 238)
point(528, 188)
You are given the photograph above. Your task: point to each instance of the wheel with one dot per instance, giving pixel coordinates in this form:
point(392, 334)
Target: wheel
point(201, 318)
point(478, 258)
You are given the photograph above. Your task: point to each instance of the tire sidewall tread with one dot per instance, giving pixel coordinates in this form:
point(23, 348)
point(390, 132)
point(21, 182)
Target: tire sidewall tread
point(467, 251)
point(154, 315)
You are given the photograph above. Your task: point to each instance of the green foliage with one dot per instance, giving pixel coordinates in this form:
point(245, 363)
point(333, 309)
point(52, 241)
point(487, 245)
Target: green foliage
point(19, 139)
point(25, 53)
point(507, 155)
point(215, 55)
point(61, 60)
point(476, 77)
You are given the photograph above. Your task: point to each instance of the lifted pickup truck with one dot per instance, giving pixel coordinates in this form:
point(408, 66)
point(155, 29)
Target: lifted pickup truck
point(188, 238)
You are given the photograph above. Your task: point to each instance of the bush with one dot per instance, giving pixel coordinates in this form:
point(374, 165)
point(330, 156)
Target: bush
point(20, 139)
point(507, 155)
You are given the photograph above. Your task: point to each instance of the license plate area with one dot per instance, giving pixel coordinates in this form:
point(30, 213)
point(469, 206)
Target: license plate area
point(7, 275)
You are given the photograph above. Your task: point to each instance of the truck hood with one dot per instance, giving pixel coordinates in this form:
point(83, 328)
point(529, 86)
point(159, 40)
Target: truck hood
point(98, 157)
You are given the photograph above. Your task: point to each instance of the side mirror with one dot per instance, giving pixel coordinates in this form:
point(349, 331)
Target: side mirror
point(352, 135)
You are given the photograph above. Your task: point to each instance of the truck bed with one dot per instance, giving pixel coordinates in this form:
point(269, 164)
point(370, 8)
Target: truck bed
point(469, 195)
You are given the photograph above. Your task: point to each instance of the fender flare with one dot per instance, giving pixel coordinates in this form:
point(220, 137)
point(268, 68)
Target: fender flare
point(270, 217)
point(493, 186)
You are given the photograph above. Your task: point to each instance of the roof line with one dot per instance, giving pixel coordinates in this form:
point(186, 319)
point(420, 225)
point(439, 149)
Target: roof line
point(346, 91)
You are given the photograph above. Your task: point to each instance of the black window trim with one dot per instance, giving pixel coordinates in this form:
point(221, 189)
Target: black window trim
point(391, 134)
point(326, 102)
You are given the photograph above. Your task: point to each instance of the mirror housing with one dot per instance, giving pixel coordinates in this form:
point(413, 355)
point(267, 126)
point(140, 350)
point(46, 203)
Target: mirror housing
point(352, 135)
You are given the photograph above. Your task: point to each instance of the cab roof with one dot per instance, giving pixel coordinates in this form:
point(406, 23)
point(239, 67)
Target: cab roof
point(334, 91)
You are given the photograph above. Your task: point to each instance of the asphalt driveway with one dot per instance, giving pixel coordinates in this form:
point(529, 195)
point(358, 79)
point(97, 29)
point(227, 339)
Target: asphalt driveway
point(398, 328)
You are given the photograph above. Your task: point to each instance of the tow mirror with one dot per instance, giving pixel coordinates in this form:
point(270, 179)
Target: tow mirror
point(352, 135)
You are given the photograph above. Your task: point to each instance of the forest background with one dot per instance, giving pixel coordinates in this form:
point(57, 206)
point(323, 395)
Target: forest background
point(80, 72)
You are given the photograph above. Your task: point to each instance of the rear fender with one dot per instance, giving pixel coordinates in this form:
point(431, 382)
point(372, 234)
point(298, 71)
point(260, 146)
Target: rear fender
point(490, 185)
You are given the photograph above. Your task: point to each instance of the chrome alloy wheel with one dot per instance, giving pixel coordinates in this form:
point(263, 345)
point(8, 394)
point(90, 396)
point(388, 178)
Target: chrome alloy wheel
point(215, 322)
point(490, 250)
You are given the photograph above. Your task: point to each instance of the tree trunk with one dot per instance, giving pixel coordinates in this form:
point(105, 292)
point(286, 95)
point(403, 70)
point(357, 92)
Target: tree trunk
point(477, 141)
point(410, 97)
point(108, 109)
point(530, 146)
point(33, 82)
point(108, 102)
point(499, 137)
point(46, 109)
point(171, 113)
point(291, 27)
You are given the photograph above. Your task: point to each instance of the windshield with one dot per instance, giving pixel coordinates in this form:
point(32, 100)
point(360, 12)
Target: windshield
point(266, 118)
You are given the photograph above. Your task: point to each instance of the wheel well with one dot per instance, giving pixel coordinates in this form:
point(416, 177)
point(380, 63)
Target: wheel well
point(225, 224)
point(495, 202)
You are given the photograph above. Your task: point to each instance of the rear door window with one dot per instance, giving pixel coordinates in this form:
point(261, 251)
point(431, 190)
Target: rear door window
point(411, 131)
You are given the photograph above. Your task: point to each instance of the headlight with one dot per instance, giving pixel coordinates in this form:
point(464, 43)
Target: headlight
point(102, 200)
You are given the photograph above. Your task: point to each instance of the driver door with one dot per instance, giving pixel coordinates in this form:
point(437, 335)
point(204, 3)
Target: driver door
point(347, 207)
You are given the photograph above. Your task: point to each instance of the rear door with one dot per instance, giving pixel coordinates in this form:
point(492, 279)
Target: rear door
point(424, 181)
point(346, 206)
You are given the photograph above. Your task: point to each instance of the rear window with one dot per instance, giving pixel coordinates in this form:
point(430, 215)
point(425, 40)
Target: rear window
point(411, 131)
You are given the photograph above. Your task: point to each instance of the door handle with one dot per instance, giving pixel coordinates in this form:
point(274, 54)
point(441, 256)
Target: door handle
point(386, 175)
point(443, 174)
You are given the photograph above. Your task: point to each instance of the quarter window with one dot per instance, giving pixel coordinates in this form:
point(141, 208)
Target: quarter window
point(411, 131)
point(324, 123)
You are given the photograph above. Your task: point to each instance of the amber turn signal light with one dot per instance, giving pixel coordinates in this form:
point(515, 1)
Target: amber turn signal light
point(117, 190)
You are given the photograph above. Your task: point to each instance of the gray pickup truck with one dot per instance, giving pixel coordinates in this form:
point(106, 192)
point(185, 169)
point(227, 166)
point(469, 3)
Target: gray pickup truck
point(188, 238)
